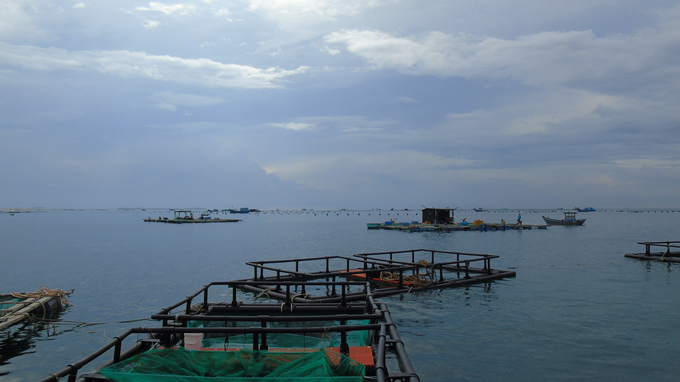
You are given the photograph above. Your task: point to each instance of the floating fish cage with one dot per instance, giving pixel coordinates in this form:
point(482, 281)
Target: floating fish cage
point(293, 341)
point(389, 272)
point(666, 251)
point(306, 319)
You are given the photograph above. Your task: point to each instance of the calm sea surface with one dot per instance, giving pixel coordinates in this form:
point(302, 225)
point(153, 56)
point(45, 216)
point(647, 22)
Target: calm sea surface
point(577, 310)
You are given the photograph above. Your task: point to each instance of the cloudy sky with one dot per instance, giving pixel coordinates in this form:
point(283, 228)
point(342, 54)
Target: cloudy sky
point(340, 103)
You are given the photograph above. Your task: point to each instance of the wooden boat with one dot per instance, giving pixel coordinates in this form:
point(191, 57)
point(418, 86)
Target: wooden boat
point(569, 219)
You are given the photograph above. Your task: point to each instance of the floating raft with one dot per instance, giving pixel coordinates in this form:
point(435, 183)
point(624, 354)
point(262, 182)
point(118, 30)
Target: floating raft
point(17, 307)
point(667, 253)
point(189, 221)
point(424, 227)
point(187, 216)
point(293, 340)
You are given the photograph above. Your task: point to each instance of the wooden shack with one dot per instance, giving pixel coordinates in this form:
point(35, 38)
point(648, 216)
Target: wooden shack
point(438, 215)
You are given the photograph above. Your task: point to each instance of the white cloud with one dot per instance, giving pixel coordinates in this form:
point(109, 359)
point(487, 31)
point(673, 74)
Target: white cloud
point(170, 101)
point(346, 170)
point(197, 72)
point(406, 100)
point(168, 9)
point(339, 124)
point(332, 52)
point(545, 58)
point(294, 126)
point(79, 5)
point(150, 24)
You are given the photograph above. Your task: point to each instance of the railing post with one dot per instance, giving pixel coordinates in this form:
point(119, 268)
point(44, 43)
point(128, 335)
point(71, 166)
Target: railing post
point(264, 345)
point(233, 300)
point(344, 347)
point(327, 265)
point(205, 298)
point(343, 302)
point(116, 350)
point(401, 278)
point(467, 271)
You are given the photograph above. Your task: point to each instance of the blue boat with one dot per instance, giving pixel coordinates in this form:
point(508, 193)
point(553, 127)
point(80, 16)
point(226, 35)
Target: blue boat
point(587, 209)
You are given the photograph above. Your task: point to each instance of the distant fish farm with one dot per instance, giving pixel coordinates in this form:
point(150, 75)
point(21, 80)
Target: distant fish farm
point(187, 217)
point(442, 220)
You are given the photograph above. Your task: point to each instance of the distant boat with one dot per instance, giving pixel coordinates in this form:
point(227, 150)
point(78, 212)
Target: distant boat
point(243, 210)
point(478, 209)
point(569, 219)
point(588, 209)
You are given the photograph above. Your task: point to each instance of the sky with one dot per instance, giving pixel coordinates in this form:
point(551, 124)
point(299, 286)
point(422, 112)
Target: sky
point(340, 104)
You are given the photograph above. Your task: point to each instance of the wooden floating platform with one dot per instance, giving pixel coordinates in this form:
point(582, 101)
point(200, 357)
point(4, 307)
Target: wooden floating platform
point(423, 227)
point(666, 255)
point(187, 216)
point(188, 221)
point(16, 307)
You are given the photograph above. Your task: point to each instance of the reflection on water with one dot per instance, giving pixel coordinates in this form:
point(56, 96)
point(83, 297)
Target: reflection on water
point(21, 338)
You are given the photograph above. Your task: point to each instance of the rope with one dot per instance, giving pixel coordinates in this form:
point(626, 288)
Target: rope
point(45, 291)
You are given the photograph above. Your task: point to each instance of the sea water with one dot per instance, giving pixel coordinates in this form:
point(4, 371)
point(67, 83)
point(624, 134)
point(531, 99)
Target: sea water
point(577, 309)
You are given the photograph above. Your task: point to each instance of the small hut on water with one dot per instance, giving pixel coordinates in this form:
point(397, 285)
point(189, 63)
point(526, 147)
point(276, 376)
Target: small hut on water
point(433, 215)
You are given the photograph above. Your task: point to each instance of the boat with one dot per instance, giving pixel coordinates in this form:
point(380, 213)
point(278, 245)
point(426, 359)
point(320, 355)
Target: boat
point(243, 210)
point(587, 209)
point(480, 209)
point(569, 219)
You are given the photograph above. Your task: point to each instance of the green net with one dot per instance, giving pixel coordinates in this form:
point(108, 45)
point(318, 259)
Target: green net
point(181, 365)
point(285, 340)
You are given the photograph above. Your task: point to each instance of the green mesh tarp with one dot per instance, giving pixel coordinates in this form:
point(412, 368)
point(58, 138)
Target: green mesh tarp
point(181, 365)
point(285, 340)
